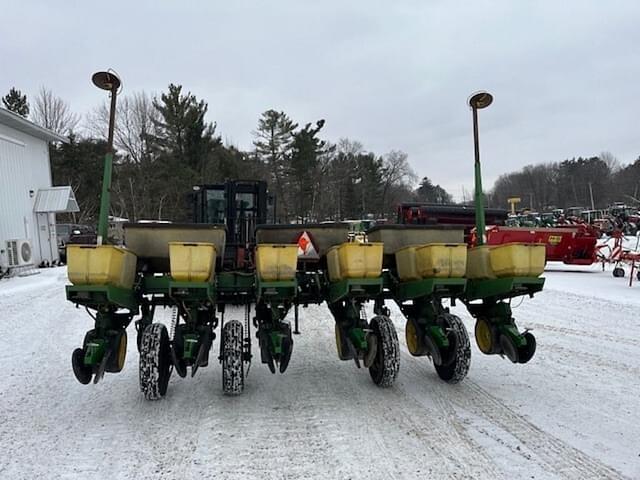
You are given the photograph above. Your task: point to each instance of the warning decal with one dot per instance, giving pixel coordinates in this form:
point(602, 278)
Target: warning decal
point(306, 247)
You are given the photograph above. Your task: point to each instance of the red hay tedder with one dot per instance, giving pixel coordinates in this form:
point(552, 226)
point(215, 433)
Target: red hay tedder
point(570, 244)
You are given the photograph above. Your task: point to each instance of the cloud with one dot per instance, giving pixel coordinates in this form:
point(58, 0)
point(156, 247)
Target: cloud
point(392, 75)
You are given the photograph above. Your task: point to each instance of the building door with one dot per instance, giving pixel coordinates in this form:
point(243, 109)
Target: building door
point(44, 237)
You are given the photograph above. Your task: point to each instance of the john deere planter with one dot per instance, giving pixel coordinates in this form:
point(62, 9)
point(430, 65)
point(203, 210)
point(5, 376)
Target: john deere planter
point(232, 256)
point(180, 267)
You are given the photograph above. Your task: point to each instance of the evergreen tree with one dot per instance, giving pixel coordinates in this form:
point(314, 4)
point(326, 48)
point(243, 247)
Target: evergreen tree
point(273, 143)
point(183, 134)
point(307, 149)
point(79, 164)
point(430, 193)
point(16, 102)
point(182, 147)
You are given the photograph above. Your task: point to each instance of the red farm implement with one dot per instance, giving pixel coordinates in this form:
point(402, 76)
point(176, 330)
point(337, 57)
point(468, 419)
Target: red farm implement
point(571, 244)
point(620, 256)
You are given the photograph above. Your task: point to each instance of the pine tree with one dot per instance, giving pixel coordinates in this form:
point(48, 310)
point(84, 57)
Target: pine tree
point(304, 168)
point(182, 148)
point(430, 193)
point(273, 142)
point(16, 102)
point(183, 133)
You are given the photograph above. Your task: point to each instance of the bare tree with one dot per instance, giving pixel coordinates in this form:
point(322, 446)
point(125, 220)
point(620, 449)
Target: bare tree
point(396, 172)
point(52, 112)
point(349, 147)
point(610, 161)
point(136, 120)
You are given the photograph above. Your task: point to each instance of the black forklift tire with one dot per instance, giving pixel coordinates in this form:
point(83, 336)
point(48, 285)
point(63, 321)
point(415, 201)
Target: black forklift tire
point(455, 371)
point(386, 364)
point(232, 362)
point(155, 362)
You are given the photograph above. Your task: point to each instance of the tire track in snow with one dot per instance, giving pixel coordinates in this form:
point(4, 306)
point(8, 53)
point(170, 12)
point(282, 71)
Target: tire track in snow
point(454, 430)
point(273, 430)
point(417, 429)
point(445, 437)
point(582, 333)
point(595, 360)
point(558, 456)
point(553, 454)
point(245, 437)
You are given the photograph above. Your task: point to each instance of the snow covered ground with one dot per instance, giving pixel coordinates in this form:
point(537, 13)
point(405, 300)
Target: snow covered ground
point(572, 412)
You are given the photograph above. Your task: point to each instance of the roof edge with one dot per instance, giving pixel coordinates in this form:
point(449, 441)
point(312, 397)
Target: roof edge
point(30, 128)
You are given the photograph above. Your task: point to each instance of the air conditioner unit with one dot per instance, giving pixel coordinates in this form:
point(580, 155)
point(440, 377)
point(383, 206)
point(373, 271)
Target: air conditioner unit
point(19, 253)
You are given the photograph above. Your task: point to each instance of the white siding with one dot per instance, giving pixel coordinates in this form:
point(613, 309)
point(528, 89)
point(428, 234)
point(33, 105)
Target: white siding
point(24, 167)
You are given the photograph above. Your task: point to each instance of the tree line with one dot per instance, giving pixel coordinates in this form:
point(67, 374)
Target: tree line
point(592, 182)
point(164, 146)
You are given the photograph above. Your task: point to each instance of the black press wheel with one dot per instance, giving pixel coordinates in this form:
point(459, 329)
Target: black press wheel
point(509, 348)
point(232, 364)
point(82, 372)
point(386, 364)
point(155, 361)
point(287, 348)
point(459, 355)
point(526, 352)
point(618, 272)
point(342, 345)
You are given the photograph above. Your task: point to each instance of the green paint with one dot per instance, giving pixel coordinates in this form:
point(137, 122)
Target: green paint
point(438, 335)
point(235, 281)
point(354, 288)
point(275, 291)
point(190, 346)
point(152, 284)
point(94, 351)
point(276, 342)
point(502, 288)
point(415, 289)
point(192, 292)
point(98, 296)
point(105, 199)
point(510, 330)
point(358, 338)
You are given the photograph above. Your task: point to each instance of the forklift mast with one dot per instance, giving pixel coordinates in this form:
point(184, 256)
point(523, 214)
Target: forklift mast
point(240, 206)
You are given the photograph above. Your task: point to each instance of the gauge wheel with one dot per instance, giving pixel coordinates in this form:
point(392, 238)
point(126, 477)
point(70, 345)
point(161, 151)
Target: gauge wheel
point(456, 369)
point(386, 363)
point(414, 336)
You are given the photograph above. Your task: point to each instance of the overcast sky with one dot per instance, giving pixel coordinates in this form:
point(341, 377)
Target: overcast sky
point(391, 74)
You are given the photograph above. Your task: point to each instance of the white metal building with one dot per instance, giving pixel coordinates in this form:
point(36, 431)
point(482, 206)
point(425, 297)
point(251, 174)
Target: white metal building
point(28, 202)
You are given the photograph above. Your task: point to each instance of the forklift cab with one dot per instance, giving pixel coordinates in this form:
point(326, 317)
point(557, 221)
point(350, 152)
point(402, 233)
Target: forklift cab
point(240, 206)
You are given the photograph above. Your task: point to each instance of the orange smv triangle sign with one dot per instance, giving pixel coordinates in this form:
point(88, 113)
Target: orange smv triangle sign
point(306, 248)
